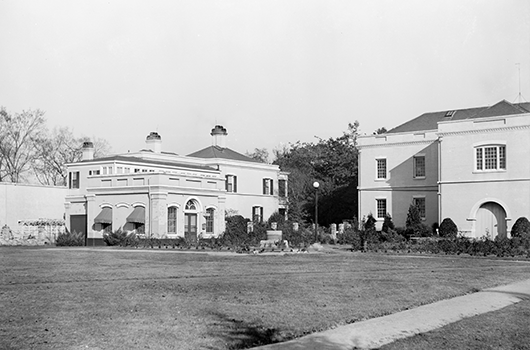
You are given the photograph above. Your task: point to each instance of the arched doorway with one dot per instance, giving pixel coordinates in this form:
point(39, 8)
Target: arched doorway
point(190, 221)
point(491, 221)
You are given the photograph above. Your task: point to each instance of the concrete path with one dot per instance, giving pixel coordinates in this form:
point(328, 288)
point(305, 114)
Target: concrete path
point(374, 333)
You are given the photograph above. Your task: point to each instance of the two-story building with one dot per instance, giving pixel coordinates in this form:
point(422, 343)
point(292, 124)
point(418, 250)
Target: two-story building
point(468, 165)
point(166, 195)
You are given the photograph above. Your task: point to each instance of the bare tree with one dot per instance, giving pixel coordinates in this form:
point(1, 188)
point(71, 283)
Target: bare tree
point(19, 136)
point(59, 148)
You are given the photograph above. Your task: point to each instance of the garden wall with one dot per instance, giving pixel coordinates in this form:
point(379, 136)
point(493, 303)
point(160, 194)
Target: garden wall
point(25, 208)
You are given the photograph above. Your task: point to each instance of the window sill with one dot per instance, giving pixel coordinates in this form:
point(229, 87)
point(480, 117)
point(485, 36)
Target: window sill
point(419, 178)
point(381, 180)
point(489, 171)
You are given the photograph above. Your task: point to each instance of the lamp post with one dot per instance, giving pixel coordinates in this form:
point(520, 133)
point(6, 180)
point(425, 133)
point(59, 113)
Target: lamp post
point(316, 185)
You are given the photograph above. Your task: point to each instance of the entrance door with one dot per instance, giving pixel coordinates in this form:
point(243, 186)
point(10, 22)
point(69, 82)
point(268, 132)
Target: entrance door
point(78, 224)
point(491, 221)
point(190, 228)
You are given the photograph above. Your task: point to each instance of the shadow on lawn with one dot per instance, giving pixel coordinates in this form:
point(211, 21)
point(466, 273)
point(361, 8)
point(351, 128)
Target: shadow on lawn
point(238, 334)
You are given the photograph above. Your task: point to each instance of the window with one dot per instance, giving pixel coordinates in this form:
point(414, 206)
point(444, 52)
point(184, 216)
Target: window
point(419, 202)
point(282, 188)
point(231, 183)
point(257, 214)
point(74, 179)
point(268, 186)
point(191, 205)
point(119, 170)
point(381, 168)
point(172, 220)
point(381, 208)
point(490, 158)
point(419, 166)
point(127, 170)
point(209, 219)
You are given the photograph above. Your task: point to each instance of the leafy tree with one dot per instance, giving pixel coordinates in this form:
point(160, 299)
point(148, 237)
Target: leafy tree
point(259, 154)
point(331, 162)
point(381, 130)
point(521, 228)
point(20, 133)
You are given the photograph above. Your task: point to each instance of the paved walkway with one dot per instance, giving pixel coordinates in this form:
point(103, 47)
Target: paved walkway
point(376, 332)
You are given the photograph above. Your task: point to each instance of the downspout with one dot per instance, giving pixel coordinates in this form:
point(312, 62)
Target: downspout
point(439, 179)
point(149, 205)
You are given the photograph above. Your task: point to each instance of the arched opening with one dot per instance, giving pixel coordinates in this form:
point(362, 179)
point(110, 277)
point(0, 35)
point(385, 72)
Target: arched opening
point(191, 210)
point(490, 221)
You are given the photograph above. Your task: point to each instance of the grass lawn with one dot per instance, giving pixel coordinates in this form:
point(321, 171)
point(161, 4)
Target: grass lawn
point(151, 299)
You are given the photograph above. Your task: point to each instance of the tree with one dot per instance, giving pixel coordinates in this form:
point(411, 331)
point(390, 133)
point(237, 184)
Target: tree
point(380, 131)
point(259, 154)
point(58, 148)
point(331, 162)
point(20, 133)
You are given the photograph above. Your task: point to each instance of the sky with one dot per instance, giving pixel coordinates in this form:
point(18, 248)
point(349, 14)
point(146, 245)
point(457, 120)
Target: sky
point(271, 72)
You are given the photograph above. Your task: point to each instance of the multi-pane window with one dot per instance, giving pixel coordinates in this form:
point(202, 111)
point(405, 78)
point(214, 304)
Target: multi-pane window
point(282, 188)
point(381, 168)
point(209, 220)
point(268, 186)
point(419, 166)
point(490, 157)
point(419, 202)
point(257, 214)
point(74, 179)
point(231, 183)
point(381, 207)
point(172, 220)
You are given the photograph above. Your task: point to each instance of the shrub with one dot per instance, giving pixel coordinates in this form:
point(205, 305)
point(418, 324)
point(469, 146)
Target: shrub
point(387, 223)
point(448, 228)
point(521, 228)
point(369, 222)
point(70, 239)
point(114, 238)
point(277, 218)
point(302, 237)
point(413, 216)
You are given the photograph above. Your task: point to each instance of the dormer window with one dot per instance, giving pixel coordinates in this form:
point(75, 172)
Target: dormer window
point(449, 114)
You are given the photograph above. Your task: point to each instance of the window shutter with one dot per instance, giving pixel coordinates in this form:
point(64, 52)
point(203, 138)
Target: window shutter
point(263, 186)
point(226, 183)
point(272, 186)
point(235, 183)
point(261, 214)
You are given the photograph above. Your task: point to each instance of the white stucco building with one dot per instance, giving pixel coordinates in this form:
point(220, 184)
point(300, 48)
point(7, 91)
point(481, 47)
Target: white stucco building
point(167, 195)
point(469, 165)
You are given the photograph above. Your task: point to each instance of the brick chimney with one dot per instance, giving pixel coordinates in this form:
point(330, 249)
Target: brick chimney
point(219, 136)
point(88, 151)
point(154, 142)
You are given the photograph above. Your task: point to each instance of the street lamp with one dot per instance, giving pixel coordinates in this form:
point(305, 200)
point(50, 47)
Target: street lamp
point(316, 185)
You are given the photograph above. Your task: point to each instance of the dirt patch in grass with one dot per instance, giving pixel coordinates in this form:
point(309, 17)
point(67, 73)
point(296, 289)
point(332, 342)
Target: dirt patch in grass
point(121, 300)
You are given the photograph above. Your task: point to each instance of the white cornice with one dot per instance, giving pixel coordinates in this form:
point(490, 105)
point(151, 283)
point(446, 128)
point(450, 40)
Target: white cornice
point(479, 131)
point(401, 143)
